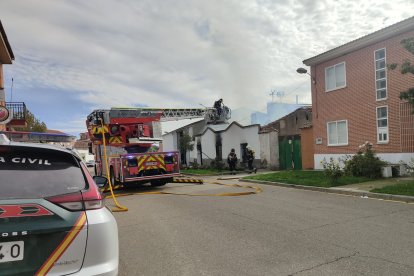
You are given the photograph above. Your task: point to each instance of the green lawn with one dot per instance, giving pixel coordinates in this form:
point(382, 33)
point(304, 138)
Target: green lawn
point(403, 188)
point(307, 178)
point(202, 171)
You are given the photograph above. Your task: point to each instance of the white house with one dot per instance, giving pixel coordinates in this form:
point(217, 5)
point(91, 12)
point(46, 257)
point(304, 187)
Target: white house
point(216, 141)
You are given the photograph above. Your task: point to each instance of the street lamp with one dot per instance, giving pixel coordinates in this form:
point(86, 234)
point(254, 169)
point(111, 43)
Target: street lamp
point(301, 70)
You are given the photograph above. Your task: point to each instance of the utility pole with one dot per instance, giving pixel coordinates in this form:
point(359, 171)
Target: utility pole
point(11, 91)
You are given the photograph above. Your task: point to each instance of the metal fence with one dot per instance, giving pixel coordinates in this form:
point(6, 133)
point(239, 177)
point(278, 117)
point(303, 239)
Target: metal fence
point(18, 109)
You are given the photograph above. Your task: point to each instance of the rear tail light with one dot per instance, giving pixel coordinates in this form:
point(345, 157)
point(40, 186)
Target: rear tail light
point(92, 198)
point(79, 201)
point(71, 202)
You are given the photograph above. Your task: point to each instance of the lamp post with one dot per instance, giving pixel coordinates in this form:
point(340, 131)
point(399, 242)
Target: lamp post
point(301, 70)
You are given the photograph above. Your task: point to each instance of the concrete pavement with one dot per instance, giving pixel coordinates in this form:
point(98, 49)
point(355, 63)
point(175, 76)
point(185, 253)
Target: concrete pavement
point(277, 232)
point(359, 189)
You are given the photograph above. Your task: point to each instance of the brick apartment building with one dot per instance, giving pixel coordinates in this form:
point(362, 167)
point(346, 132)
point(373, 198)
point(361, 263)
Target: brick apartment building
point(355, 98)
point(6, 57)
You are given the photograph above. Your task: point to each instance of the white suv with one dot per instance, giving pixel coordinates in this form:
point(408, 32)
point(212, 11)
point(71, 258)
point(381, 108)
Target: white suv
point(53, 218)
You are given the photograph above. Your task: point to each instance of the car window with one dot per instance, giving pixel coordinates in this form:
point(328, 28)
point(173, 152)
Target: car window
point(27, 172)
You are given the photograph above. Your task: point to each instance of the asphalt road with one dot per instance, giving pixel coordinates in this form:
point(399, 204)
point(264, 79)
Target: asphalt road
point(279, 231)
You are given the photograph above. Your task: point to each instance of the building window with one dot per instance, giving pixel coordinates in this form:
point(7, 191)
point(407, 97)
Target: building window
point(338, 133)
point(382, 124)
point(380, 75)
point(335, 77)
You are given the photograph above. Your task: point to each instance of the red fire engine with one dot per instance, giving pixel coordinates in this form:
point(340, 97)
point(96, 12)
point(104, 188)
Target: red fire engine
point(133, 138)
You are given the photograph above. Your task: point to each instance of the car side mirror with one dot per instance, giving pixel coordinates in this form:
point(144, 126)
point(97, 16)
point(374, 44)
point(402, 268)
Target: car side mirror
point(100, 181)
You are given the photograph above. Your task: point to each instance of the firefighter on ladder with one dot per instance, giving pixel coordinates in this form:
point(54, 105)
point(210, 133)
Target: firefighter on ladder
point(218, 106)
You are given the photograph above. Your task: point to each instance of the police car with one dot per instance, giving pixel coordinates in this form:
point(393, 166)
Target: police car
point(53, 219)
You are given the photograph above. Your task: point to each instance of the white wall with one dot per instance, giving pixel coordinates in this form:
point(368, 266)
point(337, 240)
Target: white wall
point(169, 141)
point(393, 158)
point(231, 138)
point(269, 149)
point(208, 144)
point(235, 135)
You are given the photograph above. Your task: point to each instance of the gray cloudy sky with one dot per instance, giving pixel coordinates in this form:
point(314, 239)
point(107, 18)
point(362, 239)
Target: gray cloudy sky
point(74, 56)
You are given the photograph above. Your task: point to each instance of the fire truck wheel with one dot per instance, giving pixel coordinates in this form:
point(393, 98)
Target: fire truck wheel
point(157, 183)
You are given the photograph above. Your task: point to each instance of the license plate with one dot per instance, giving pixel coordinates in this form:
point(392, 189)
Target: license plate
point(11, 251)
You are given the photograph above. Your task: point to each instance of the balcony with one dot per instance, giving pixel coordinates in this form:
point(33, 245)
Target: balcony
point(18, 109)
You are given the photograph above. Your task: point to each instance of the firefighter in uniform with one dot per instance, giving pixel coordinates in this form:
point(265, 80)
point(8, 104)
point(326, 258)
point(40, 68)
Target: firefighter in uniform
point(232, 161)
point(250, 159)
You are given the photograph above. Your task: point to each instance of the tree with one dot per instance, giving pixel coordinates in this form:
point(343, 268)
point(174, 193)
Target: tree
point(186, 143)
point(33, 124)
point(406, 67)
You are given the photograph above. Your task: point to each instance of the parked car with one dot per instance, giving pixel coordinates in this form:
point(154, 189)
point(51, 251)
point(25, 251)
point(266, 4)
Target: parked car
point(53, 218)
point(90, 163)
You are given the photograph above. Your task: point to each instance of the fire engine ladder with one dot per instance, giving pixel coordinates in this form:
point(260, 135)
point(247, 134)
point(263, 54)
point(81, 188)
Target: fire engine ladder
point(170, 114)
point(167, 114)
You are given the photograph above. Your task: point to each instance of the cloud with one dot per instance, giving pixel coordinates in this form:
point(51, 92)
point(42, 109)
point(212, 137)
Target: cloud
point(178, 53)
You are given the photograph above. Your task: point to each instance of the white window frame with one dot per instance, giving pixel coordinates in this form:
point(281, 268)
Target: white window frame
point(326, 78)
point(382, 129)
point(327, 133)
point(375, 75)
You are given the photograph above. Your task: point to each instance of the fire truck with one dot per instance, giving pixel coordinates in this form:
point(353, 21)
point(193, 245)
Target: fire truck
point(133, 142)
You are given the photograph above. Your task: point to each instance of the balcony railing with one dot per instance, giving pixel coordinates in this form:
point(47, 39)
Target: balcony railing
point(18, 109)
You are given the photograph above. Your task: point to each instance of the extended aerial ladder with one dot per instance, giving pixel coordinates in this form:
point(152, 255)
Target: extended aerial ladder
point(165, 114)
point(123, 124)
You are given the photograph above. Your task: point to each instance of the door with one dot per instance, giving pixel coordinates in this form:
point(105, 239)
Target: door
point(290, 153)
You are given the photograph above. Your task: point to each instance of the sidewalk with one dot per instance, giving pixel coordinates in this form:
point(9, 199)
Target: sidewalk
point(368, 186)
point(359, 189)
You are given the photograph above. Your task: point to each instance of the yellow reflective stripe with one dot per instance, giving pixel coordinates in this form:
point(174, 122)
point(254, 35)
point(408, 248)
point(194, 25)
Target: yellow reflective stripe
point(151, 158)
point(63, 245)
point(98, 129)
point(160, 159)
point(115, 140)
point(141, 160)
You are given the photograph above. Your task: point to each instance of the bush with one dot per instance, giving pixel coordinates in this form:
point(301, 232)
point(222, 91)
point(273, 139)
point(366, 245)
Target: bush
point(217, 164)
point(364, 163)
point(409, 167)
point(332, 170)
point(194, 165)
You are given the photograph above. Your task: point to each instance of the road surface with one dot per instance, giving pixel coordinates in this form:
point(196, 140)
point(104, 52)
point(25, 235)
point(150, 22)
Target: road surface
point(279, 231)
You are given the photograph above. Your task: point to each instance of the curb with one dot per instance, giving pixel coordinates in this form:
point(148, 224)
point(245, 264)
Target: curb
point(187, 180)
point(210, 174)
point(400, 198)
point(197, 174)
